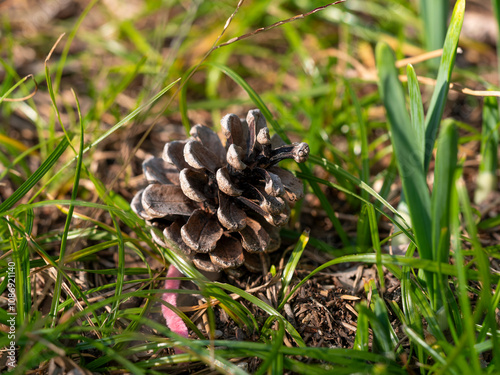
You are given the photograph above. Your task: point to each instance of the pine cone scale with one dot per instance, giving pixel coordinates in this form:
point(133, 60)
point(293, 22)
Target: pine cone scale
point(201, 232)
point(230, 215)
point(165, 200)
point(156, 170)
point(228, 253)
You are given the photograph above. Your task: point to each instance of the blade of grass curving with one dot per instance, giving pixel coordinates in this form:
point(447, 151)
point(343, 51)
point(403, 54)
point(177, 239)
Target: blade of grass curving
point(35, 177)
point(340, 173)
point(416, 114)
point(456, 359)
point(438, 100)
point(403, 138)
point(69, 217)
point(291, 265)
point(446, 160)
point(351, 193)
point(4, 96)
point(486, 180)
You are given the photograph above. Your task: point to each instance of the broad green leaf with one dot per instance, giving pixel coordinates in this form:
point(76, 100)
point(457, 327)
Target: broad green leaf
point(35, 177)
point(403, 140)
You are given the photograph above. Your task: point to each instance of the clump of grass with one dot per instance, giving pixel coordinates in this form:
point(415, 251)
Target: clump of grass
point(83, 259)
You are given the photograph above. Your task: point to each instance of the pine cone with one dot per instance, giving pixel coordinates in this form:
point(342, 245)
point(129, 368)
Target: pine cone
point(222, 206)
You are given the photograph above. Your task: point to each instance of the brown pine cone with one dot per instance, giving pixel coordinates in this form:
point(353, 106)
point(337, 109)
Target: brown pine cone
point(222, 206)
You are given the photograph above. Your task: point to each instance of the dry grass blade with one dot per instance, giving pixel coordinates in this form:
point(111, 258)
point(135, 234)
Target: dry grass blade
point(276, 24)
point(24, 98)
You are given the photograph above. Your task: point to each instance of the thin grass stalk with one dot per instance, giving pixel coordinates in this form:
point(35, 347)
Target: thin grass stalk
point(69, 217)
point(292, 263)
point(363, 221)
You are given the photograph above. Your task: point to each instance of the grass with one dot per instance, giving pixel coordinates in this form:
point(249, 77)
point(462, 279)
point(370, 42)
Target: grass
point(118, 86)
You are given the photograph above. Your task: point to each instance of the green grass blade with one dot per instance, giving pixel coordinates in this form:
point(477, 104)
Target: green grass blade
point(292, 263)
point(361, 341)
point(35, 177)
point(416, 114)
point(438, 100)
point(403, 139)
point(444, 181)
point(2, 98)
point(69, 217)
point(376, 243)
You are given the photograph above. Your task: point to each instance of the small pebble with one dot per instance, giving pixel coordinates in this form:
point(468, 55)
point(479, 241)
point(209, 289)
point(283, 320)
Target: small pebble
point(217, 334)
